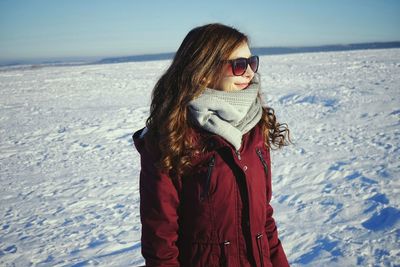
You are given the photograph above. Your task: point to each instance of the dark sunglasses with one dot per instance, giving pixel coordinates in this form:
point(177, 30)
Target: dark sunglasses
point(239, 65)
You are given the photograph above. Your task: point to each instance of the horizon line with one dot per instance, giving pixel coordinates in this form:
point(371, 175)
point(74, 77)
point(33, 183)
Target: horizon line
point(84, 60)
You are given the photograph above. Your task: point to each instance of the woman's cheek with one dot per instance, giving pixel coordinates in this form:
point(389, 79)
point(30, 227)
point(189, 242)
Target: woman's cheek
point(228, 71)
point(229, 85)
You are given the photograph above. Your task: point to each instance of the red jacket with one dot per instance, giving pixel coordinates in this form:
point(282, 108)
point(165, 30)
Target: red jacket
point(218, 215)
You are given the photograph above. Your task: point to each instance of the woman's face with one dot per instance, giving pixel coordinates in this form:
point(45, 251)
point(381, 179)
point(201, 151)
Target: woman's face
point(230, 82)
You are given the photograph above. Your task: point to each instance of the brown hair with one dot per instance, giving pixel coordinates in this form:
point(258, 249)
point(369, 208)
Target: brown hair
point(198, 59)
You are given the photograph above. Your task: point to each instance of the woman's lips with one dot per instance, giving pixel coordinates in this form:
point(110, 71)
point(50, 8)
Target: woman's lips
point(242, 85)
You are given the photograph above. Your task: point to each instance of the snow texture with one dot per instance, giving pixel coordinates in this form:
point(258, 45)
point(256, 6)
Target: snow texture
point(69, 173)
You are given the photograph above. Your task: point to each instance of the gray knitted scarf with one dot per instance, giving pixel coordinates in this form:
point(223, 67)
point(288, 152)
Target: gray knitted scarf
point(229, 114)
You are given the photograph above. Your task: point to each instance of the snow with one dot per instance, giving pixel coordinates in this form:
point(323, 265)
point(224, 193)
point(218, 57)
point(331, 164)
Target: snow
point(69, 173)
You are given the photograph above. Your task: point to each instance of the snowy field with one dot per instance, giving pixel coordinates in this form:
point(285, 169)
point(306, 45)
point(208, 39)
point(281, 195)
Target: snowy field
point(69, 172)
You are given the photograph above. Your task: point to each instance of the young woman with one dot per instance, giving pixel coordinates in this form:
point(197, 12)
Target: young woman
point(205, 181)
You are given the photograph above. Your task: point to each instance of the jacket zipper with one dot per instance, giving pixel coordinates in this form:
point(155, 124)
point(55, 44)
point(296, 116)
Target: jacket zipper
point(206, 188)
point(262, 161)
point(260, 248)
point(259, 236)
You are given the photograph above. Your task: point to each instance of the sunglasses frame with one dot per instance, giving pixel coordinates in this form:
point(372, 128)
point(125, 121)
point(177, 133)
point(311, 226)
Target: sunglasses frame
point(234, 62)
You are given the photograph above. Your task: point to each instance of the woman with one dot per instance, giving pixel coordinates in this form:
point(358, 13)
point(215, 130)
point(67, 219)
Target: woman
point(205, 182)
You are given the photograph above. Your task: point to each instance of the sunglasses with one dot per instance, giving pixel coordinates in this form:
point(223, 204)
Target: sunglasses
point(239, 65)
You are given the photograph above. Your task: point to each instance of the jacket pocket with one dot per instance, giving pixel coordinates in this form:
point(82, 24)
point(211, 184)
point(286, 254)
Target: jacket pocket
point(207, 182)
point(224, 260)
point(260, 248)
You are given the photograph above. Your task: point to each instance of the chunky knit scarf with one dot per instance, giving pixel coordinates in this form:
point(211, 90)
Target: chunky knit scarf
point(230, 114)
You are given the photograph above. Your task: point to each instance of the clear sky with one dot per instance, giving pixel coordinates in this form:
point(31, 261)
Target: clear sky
point(47, 29)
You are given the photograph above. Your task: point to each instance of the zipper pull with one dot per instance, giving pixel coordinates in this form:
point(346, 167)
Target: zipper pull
point(264, 163)
point(238, 155)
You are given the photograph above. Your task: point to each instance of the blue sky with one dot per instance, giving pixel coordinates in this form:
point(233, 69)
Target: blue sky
point(53, 29)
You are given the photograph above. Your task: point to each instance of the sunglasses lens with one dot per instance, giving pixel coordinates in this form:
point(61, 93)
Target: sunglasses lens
point(239, 66)
point(254, 63)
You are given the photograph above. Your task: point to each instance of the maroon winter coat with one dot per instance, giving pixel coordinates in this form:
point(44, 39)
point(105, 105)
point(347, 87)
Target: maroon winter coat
point(218, 215)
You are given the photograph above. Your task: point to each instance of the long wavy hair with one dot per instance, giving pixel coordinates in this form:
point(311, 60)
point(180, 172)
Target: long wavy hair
point(197, 62)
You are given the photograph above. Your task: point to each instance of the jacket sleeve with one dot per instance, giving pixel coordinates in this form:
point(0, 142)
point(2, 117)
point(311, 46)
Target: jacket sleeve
point(159, 203)
point(277, 254)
